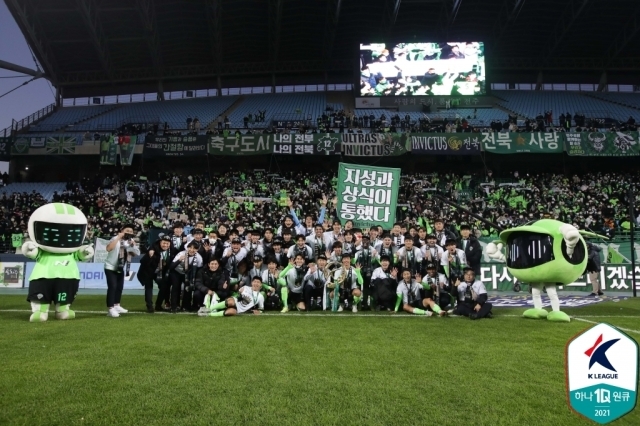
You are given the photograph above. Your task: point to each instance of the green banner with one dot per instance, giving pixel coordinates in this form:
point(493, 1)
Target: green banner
point(20, 146)
point(496, 276)
point(306, 144)
point(517, 143)
point(126, 151)
point(367, 195)
point(603, 144)
point(375, 144)
point(108, 151)
point(240, 145)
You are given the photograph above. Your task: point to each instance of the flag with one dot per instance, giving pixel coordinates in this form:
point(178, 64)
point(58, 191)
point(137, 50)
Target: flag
point(614, 256)
point(59, 145)
point(127, 147)
point(108, 151)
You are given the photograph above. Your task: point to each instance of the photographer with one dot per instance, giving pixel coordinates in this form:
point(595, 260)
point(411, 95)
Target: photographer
point(183, 270)
point(314, 282)
point(593, 268)
point(154, 266)
point(117, 265)
point(473, 298)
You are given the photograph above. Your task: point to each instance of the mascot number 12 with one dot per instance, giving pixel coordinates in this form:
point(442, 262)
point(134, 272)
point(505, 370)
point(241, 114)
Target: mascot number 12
point(544, 253)
point(57, 232)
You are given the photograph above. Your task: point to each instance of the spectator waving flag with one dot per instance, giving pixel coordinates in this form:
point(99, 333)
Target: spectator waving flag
point(367, 195)
point(58, 145)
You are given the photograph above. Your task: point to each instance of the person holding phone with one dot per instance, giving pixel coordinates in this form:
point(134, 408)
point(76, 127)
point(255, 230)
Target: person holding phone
point(117, 265)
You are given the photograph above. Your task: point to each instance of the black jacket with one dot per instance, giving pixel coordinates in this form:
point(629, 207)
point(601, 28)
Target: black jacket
point(207, 279)
point(149, 264)
point(473, 252)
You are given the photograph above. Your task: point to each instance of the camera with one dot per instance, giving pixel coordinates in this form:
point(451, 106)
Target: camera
point(128, 237)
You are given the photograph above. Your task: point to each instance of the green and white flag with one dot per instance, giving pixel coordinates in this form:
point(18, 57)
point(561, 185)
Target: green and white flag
point(367, 195)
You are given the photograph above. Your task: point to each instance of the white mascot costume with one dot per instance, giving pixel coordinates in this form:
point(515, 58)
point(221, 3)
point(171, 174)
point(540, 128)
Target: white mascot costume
point(57, 231)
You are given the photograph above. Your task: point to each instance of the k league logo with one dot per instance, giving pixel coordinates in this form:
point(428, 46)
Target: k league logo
point(602, 373)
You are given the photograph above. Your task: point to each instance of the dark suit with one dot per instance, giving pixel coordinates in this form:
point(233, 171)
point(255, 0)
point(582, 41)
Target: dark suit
point(473, 253)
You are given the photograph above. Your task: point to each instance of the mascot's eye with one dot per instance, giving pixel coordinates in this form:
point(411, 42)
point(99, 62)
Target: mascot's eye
point(578, 256)
point(528, 250)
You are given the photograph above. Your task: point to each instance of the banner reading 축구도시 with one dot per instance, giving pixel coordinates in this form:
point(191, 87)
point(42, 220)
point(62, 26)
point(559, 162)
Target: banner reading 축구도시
point(375, 144)
point(367, 195)
point(445, 144)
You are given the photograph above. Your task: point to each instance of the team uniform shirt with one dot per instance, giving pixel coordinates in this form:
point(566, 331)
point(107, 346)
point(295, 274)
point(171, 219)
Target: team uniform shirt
point(253, 272)
point(441, 238)
point(386, 251)
point(248, 300)
point(347, 279)
point(306, 251)
point(410, 292)
point(366, 259)
point(410, 259)
point(317, 245)
point(435, 252)
point(318, 276)
point(459, 262)
point(471, 291)
point(440, 280)
point(233, 259)
point(54, 265)
point(293, 278)
point(379, 273)
point(176, 242)
point(330, 238)
point(295, 230)
point(270, 280)
point(348, 248)
point(189, 263)
point(397, 240)
point(258, 249)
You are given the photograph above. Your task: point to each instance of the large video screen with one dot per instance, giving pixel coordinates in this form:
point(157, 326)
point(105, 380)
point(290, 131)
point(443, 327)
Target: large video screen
point(425, 69)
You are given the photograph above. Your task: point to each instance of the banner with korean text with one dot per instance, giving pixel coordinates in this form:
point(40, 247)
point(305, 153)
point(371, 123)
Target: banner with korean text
point(258, 144)
point(375, 144)
point(174, 146)
point(601, 144)
point(445, 143)
point(517, 143)
point(307, 144)
point(367, 195)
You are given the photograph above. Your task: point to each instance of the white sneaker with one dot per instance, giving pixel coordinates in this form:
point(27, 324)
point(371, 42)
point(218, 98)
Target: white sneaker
point(113, 313)
point(340, 308)
point(354, 309)
point(429, 313)
point(120, 309)
point(203, 312)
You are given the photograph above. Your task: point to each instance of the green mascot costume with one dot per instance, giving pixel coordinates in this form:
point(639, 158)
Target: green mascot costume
point(57, 232)
point(544, 253)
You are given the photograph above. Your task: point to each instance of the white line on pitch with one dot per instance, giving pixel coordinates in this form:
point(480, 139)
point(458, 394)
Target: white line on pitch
point(594, 322)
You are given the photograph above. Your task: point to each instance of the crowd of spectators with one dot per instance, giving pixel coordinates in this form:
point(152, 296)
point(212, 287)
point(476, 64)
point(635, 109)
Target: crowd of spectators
point(594, 201)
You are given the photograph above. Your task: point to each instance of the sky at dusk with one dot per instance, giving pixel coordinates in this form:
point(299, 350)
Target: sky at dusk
point(27, 99)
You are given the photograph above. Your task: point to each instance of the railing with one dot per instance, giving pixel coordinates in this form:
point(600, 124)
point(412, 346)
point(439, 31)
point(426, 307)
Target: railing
point(16, 126)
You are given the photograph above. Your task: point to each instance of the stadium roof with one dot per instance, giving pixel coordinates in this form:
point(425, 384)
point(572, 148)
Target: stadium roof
point(104, 47)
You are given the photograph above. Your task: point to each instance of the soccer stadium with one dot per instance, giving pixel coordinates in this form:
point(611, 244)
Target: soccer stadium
point(323, 212)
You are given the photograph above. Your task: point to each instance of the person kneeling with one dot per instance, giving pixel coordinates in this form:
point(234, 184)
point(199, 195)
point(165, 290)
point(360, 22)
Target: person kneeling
point(250, 299)
point(408, 293)
point(473, 298)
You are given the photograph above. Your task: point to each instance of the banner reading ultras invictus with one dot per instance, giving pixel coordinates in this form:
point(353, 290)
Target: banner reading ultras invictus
point(174, 146)
point(445, 143)
point(367, 195)
point(517, 143)
point(599, 144)
point(375, 144)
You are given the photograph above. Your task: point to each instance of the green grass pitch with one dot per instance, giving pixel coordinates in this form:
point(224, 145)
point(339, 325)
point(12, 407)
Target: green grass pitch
point(290, 369)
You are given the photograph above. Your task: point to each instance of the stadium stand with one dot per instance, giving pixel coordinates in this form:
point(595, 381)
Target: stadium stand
point(69, 116)
point(46, 189)
point(529, 104)
point(285, 106)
